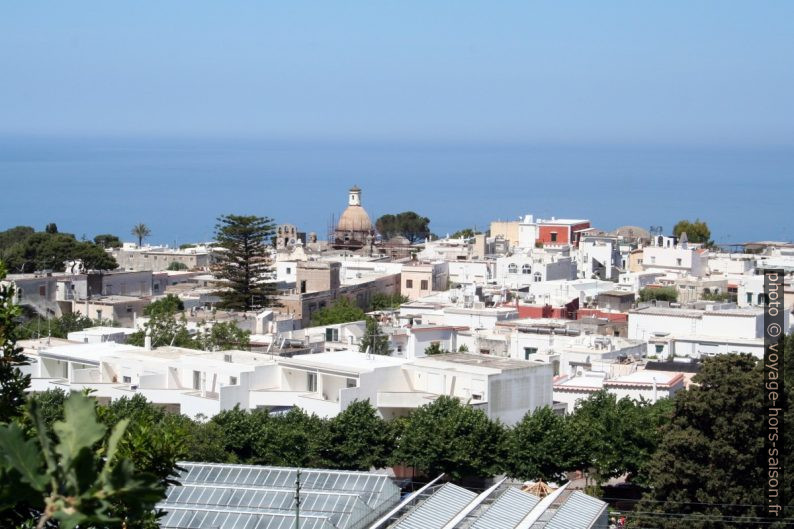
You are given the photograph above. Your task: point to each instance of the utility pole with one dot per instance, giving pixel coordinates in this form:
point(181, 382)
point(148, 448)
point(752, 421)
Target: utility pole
point(297, 499)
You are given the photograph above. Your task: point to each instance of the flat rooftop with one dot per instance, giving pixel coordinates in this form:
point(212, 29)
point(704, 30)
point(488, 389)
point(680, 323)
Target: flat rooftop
point(496, 363)
point(346, 361)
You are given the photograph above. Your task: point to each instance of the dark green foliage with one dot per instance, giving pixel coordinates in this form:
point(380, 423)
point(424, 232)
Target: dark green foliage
point(711, 460)
point(240, 429)
point(466, 233)
point(435, 349)
point(223, 336)
point(168, 305)
point(408, 224)
point(140, 231)
point(12, 382)
point(51, 228)
point(697, 232)
point(244, 261)
point(176, 265)
point(659, 294)
point(73, 473)
point(165, 329)
point(539, 447)
point(450, 437)
point(293, 439)
point(708, 295)
point(358, 439)
point(342, 311)
point(387, 301)
point(26, 251)
point(374, 339)
point(107, 240)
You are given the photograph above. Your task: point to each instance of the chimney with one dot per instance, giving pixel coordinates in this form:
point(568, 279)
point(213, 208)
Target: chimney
point(147, 340)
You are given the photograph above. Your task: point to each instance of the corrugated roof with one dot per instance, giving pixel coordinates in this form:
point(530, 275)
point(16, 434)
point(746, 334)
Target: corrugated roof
point(509, 509)
point(579, 511)
point(438, 509)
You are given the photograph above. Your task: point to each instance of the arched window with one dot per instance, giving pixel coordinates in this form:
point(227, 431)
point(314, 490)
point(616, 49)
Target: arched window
point(538, 277)
point(512, 269)
point(526, 269)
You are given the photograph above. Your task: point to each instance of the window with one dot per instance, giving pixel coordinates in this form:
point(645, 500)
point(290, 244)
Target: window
point(331, 335)
point(659, 348)
point(43, 290)
point(678, 261)
point(409, 283)
point(554, 236)
point(311, 382)
point(99, 314)
point(750, 298)
point(761, 299)
point(538, 277)
point(653, 259)
point(529, 351)
point(289, 270)
point(227, 358)
point(126, 380)
point(232, 381)
point(196, 379)
point(352, 383)
point(512, 269)
point(303, 287)
point(423, 284)
point(526, 269)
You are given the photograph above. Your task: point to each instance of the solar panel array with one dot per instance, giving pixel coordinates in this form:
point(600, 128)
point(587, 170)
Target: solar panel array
point(579, 511)
point(215, 496)
point(509, 509)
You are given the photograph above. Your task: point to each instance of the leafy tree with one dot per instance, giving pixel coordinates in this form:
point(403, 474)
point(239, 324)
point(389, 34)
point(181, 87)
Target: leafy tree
point(141, 231)
point(408, 224)
point(14, 236)
point(342, 311)
point(463, 348)
point(466, 233)
point(94, 257)
point(540, 447)
point(176, 265)
point(374, 339)
point(58, 327)
point(170, 305)
point(435, 349)
point(244, 261)
point(358, 439)
point(59, 475)
point(50, 405)
point(382, 301)
point(293, 439)
point(659, 294)
point(711, 461)
point(51, 228)
point(165, 329)
point(107, 240)
point(240, 430)
point(42, 250)
point(222, 336)
point(203, 441)
point(12, 382)
point(450, 437)
point(697, 232)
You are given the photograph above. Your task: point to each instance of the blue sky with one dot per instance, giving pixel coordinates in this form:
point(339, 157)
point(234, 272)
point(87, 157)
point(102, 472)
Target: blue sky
point(669, 72)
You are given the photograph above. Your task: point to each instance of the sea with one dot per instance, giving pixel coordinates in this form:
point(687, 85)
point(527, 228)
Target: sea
point(179, 186)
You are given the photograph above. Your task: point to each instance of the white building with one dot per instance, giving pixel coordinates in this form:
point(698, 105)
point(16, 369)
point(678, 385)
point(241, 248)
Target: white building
point(675, 258)
point(640, 385)
point(537, 265)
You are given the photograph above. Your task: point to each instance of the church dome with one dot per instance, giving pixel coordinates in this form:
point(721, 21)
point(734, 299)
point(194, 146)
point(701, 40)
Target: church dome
point(354, 218)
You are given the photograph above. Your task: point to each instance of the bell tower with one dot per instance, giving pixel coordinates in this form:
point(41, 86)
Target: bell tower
point(354, 197)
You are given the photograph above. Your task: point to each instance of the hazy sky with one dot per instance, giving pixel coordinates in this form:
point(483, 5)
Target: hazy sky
point(594, 71)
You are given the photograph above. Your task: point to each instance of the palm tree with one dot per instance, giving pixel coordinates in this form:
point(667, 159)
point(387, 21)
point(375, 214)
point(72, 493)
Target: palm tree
point(141, 231)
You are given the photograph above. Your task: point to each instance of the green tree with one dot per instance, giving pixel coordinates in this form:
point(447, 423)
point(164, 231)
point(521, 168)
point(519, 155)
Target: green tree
point(42, 250)
point(435, 349)
point(165, 329)
point(466, 233)
point(58, 327)
point(51, 228)
point(539, 447)
point(12, 382)
point(374, 339)
point(107, 240)
point(141, 231)
point(293, 439)
point(408, 224)
point(240, 430)
point(244, 261)
point(358, 439)
point(342, 311)
point(59, 475)
point(697, 232)
point(659, 294)
point(170, 305)
point(450, 437)
point(221, 336)
point(382, 301)
point(94, 257)
point(176, 266)
point(711, 461)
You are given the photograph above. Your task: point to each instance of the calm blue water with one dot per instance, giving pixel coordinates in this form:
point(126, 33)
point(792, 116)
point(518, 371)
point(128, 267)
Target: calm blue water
point(179, 187)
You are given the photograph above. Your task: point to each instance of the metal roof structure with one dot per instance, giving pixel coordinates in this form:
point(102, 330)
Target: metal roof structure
point(220, 496)
point(509, 509)
point(437, 510)
point(579, 511)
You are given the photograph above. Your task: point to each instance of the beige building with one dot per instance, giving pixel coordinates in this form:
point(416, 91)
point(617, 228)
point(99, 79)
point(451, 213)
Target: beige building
point(159, 258)
point(508, 230)
point(423, 279)
point(120, 309)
